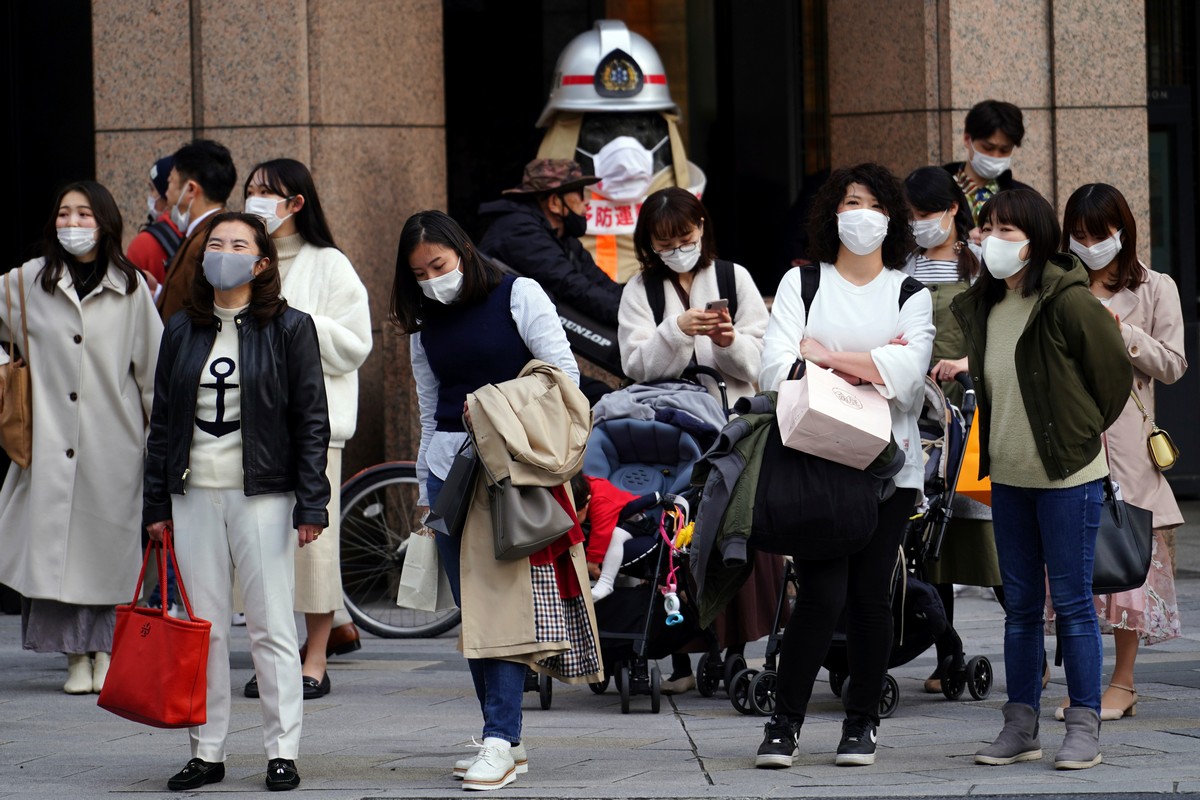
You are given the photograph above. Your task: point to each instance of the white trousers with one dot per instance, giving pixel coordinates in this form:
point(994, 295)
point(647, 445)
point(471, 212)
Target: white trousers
point(217, 530)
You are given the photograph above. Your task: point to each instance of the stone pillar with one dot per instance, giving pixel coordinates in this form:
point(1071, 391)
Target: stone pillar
point(904, 73)
point(353, 88)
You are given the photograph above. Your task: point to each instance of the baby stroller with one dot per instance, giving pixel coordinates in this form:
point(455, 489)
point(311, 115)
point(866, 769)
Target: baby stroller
point(919, 617)
point(645, 441)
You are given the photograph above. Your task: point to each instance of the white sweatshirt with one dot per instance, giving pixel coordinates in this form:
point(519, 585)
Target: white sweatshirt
point(215, 460)
point(849, 318)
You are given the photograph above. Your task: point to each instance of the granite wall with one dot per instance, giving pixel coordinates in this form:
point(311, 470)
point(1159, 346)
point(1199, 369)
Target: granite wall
point(353, 88)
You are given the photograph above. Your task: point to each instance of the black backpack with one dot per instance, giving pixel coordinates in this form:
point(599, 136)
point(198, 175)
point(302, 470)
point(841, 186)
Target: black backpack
point(726, 290)
point(166, 236)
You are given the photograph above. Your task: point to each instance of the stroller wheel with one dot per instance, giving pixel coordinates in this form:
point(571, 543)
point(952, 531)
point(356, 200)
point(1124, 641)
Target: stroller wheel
point(531, 680)
point(836, 681)
point(708, 675)
point(979, 677)
point(762, 692)
point(889, 699)
point(655, 689)
point(623, 687)
point(739, 690)
point(545, 690)
point(953, 680)
point(733, 665)
point(599, 687)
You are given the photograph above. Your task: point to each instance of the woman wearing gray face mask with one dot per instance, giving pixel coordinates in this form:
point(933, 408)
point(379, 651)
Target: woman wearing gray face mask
point(235, 459)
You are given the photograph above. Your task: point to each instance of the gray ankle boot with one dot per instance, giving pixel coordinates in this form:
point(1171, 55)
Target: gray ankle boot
point(1018, 740)
point(1081, 747)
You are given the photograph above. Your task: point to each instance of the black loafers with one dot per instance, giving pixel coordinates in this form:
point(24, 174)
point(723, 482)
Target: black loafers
point(251, 689)
point(196, 773)
point(282, 775)
point(314, 688)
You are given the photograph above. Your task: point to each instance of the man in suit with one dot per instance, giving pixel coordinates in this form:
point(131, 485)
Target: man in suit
point(201, 180)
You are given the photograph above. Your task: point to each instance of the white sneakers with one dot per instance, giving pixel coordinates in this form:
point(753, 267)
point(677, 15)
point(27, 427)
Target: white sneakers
point(100, 671)
point(496, 765)
point(79, 674)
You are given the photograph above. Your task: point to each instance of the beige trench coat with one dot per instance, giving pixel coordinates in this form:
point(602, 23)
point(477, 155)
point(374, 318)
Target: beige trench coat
point(1152, 327)
point(70, 525)
point(534, 429)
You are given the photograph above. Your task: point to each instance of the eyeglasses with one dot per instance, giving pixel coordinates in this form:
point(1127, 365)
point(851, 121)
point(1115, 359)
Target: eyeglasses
point(683, 249)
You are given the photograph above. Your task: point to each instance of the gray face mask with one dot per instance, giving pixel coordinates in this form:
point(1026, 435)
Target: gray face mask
point(227, 271)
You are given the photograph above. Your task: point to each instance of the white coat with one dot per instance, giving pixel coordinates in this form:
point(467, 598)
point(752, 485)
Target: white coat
point(70, 525)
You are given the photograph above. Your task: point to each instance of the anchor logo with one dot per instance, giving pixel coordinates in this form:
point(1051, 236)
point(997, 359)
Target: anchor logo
point(221, 369)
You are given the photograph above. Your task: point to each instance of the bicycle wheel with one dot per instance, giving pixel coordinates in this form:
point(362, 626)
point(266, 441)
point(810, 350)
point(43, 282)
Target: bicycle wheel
point(378, 515)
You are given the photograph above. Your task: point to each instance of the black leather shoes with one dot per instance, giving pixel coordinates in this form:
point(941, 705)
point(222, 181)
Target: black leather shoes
point(314, 688)
point(251, 689)
point(343, 640)
point(282, 775)
point(196, 773)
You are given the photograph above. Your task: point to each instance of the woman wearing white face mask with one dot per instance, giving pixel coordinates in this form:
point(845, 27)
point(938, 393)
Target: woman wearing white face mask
point(318, 279)
point(870, 324)
point(675, 245)
point(69, 538)
point(471, 325)
point(1051, 375)
point(235, 472)
point(1099, 228)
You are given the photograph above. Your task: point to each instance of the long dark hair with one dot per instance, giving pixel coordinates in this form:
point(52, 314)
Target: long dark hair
point(409, 304)
point(931, 189)
point(1029, 211)
point(1094, 208)
point(265, 301)
point(667, 214)
point(108, 242)
point(823, 241)
point(287, 177)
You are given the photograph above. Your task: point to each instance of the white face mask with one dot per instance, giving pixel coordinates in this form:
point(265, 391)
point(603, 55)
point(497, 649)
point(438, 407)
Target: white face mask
point(77, 241)
point(227, 271)
point(1099, 255)
point(929, 233)
point(681, 259)
point(625, 168)
point(152, 205)
point(182, 218)
point(266, 207)
point(1002, 257)
point(444, 288)
point(989, 167)
point(862, 230)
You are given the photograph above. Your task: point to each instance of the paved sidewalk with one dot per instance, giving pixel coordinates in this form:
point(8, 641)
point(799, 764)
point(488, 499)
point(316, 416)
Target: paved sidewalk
point(402, 711)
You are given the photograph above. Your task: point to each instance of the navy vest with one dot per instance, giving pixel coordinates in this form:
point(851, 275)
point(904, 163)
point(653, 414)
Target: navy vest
point(469, 347)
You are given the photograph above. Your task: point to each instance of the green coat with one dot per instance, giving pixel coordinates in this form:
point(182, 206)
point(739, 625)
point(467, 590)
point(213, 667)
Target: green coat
point(1072, 368)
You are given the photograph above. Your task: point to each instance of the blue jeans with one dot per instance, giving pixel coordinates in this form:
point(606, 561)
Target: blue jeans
point(499, 684)
point(1050, 533)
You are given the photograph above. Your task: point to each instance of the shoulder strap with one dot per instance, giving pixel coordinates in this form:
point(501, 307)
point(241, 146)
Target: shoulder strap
point(657, 298)
point(907, 289)
point(727, 285)
point(810, 280)
point(24, 322)
point(166, 236)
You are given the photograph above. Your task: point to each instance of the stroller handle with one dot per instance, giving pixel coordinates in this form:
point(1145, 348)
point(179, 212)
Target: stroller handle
point(968, 404)
point(691, 371)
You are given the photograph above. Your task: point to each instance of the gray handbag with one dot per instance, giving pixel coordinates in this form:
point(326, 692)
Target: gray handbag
point(524, 519)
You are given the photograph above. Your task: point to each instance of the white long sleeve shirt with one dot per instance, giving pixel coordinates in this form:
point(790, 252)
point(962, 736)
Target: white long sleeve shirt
point(861, 319)
point(539, 327)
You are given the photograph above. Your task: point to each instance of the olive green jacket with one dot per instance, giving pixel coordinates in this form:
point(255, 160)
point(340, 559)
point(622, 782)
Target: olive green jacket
point(1071, 365)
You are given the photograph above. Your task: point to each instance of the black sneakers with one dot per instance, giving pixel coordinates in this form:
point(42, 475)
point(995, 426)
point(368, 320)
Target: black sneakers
point(282, 775)
point(778, 747)
point(195, 774)
point(857, 748)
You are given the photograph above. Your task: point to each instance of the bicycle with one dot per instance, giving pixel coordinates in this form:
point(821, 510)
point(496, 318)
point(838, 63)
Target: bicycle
point(379, 514)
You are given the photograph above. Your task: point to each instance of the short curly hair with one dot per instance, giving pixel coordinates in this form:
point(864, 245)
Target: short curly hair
point(824, 243)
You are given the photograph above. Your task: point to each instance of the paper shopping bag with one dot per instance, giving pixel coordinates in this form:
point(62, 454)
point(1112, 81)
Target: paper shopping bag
point(969, 483)
point(424, 585)
point(825, 416)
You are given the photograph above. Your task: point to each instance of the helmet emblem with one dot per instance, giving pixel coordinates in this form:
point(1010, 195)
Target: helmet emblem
point(618, 75)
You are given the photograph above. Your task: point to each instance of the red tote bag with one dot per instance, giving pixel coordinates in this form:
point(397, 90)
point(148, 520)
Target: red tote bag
point(159, 664)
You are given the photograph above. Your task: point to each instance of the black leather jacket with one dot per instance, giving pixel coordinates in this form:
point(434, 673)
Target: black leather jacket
point(285, 419)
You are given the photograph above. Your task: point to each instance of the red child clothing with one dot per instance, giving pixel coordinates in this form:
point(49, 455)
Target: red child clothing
point(603, 511)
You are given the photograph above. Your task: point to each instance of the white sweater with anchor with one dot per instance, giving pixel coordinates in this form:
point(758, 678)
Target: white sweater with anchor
point(216, 456)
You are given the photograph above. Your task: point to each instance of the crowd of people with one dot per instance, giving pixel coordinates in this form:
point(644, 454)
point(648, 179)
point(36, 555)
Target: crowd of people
point(209, 374)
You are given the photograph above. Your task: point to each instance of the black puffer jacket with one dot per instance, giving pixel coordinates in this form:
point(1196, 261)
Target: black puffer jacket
point(521, 237)
point(285, 418)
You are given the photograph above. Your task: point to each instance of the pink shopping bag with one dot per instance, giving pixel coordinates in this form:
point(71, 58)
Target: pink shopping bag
point(825, 416)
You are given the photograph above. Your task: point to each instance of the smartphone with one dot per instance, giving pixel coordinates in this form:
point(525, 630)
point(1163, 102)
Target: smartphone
point(716, 305)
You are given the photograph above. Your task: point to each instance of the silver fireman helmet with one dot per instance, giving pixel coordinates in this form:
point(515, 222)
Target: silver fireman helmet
point(608, 68)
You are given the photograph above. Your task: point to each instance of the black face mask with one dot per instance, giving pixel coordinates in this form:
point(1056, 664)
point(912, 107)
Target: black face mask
point(574, 225)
